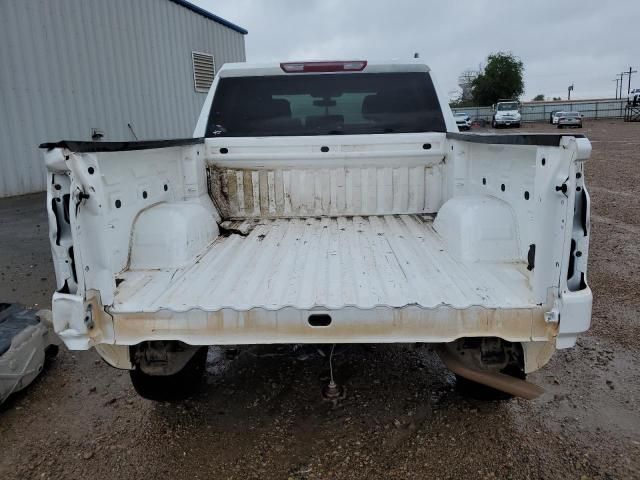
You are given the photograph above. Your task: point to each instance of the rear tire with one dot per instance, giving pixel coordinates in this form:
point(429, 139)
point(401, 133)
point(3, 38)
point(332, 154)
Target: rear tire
point(174, 387)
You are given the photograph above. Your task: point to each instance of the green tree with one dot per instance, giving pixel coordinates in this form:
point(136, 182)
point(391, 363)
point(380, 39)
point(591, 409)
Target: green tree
point(459, 103)
point(539, 98)
point(501, 78)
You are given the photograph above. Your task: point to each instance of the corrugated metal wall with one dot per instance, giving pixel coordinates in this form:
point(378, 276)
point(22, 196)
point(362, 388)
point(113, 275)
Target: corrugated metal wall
point(67, 66)
point(539, 112)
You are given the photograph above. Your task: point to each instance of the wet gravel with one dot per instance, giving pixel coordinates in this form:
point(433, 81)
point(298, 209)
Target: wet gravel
point(261, 413)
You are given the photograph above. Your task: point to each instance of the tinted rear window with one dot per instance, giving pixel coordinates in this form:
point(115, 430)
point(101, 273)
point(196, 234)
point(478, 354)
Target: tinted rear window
point(325, 104)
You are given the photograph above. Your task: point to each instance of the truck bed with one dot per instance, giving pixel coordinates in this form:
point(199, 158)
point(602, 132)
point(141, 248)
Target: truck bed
point(390, 261)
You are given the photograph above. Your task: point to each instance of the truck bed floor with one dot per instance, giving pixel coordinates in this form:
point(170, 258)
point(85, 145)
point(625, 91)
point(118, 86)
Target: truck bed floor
point(363, 262)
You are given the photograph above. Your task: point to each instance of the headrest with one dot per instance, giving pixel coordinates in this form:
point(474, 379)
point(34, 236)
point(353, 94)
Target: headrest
point(372, 106)
point(280, 107)
point(272, 108)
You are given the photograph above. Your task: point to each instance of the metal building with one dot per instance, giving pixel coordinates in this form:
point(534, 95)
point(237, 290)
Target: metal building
point(113, 70)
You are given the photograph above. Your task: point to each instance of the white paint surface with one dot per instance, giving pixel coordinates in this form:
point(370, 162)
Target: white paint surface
point(348, 231)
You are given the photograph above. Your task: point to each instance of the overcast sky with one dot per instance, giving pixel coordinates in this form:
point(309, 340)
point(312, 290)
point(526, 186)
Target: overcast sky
point(584, 42)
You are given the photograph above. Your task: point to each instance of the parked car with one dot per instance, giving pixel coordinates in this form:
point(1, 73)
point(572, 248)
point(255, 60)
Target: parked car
point(553, 117)
point(398, 229)
point(634, 97)
point(569, 119)
point(506, 114)
point(463, 120)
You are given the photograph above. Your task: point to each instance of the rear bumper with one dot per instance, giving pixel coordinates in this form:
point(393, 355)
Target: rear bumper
point(570, 124)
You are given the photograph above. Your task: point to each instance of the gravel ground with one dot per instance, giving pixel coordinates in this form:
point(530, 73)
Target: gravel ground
point(261, 414)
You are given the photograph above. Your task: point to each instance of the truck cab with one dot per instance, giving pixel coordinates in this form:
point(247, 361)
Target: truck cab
point(506, 113)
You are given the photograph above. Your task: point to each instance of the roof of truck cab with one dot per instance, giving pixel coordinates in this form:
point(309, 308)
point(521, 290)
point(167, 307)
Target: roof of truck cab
point(267, 69)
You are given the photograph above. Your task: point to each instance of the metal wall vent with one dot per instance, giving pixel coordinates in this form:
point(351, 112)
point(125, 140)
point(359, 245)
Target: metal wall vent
point(203, 71)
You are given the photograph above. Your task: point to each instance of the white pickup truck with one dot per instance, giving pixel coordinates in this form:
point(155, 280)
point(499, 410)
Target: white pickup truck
point(321, 202)
point(506, 114)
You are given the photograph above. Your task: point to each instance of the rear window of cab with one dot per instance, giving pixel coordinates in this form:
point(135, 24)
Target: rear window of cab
point(325, 104)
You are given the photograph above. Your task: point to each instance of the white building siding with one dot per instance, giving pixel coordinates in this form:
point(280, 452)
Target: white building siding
point(72, 65)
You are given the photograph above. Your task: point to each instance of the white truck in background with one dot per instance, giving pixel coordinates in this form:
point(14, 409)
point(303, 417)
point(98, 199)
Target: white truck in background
point(633, 97)
point(506, 113)
point(321, 202)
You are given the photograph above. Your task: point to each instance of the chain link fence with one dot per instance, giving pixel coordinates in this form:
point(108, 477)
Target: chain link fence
point(541, 111)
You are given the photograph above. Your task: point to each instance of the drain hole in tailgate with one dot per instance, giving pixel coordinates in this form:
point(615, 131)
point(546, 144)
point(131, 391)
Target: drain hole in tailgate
point(319, 320)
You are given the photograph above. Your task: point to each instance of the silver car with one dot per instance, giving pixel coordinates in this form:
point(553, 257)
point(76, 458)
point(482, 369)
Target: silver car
point(570, 119)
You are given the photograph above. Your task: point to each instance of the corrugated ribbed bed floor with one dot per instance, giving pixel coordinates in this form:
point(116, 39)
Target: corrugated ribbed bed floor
point(394, 260)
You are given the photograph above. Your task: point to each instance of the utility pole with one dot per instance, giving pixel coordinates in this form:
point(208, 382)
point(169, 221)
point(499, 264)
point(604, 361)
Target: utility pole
point(621, 75)
point(617, 80)
point(630, 72)
point(569, 89)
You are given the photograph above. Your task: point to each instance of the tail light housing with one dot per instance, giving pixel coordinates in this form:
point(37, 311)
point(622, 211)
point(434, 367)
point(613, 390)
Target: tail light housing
point(321, 67)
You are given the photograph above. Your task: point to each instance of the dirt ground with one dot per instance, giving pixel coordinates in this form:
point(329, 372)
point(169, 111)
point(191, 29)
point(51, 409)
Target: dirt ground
point(261, 415)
